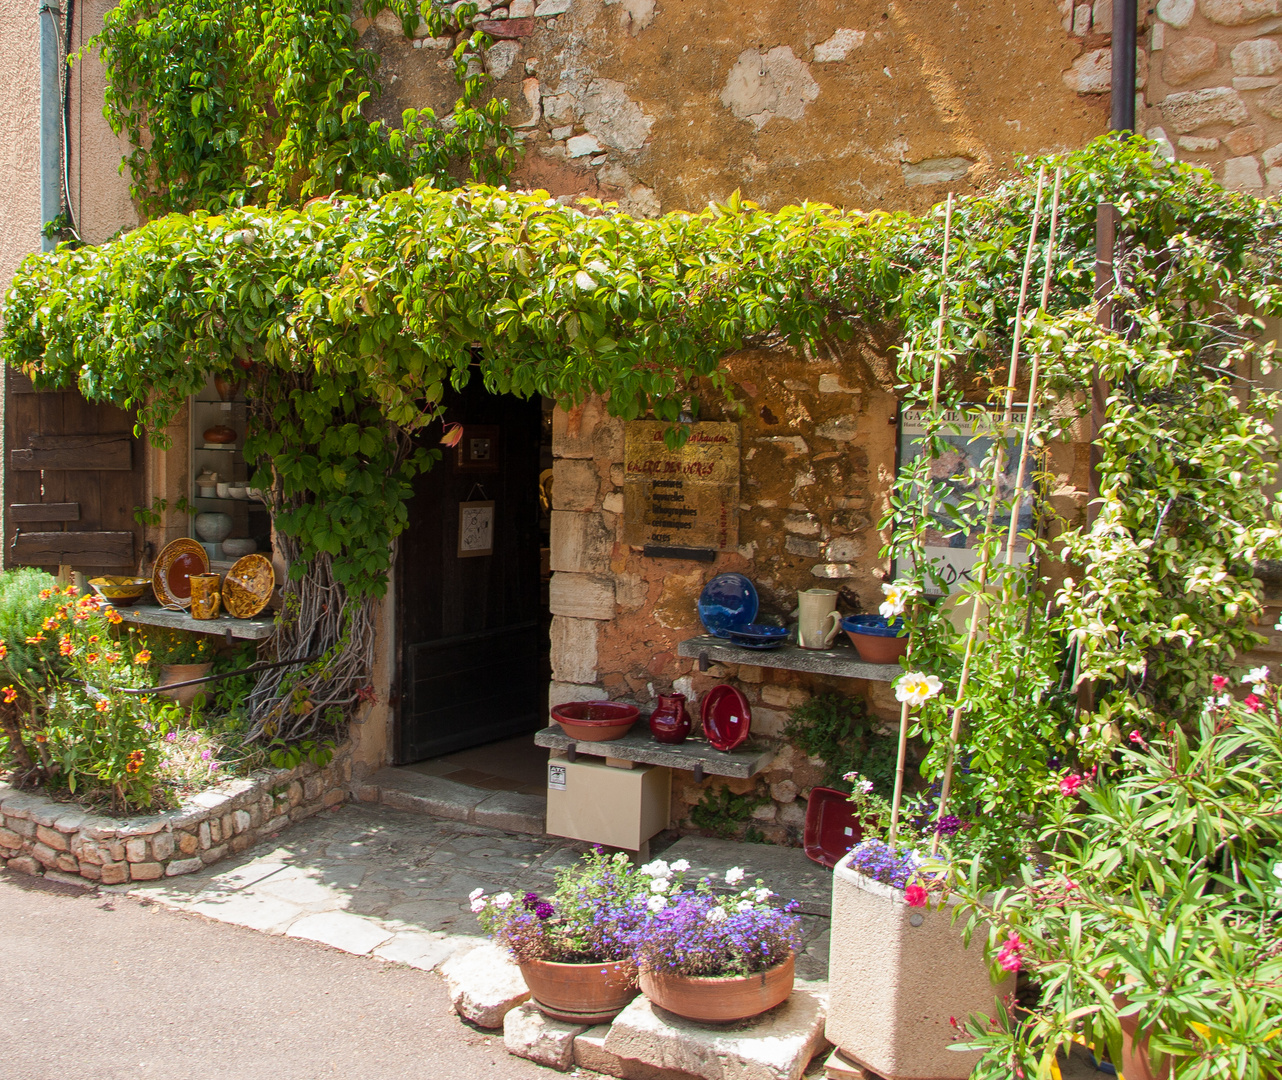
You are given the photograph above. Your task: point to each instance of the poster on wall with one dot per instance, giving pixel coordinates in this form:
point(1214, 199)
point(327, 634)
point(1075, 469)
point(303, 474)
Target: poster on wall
point(686, 498)
point(952, 553)
point(475, 529)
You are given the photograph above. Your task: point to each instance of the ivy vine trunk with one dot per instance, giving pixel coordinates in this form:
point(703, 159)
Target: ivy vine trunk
point(898, 975)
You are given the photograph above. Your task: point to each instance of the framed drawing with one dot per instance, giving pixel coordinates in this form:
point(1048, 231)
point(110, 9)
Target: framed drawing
point(475, 529)
point(478, 449)
point(953, 553)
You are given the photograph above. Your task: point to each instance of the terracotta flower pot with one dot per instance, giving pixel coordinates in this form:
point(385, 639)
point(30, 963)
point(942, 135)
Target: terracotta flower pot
point(172, 673)
point(1136, 1063)
point(718, 1001)
point(581, 993)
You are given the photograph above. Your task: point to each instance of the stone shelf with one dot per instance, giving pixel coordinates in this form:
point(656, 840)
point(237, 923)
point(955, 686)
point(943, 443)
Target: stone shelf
point(693, 755)
point(840, 660)
point(258, 628)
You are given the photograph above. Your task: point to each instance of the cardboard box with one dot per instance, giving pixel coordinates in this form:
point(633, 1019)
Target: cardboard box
point(621, 808)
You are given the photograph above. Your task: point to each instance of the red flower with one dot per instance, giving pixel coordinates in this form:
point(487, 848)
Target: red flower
point(1138, 739)
point(1009, 956)
point(4, 650)
point(101, 705)
point(64, 646)
point(1219, 682)
point(10, 695)
point(916, 896)
point(453, 435)
point(1253, 703)
point(1071, 784)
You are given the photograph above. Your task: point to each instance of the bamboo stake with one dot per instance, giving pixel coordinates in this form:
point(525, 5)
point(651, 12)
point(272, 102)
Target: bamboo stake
point(934, 404)
point(1035, 373)
point(982, 581)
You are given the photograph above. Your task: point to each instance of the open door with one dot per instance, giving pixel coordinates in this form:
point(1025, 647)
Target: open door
point(74, 477)
point(472, 628)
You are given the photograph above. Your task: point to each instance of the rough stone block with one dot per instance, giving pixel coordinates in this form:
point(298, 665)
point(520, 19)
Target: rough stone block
point(520, 9)
point(24, 864)
point(1188, 57)
point(90, 871)
point(1177, 13)
point(484, 985)
point(51, 837)
point(205, 834)
point(529, 1034)
point(71, 821)
point(241, 842)
point(574, 650)
point(188, 844)
point(428, 794)
point(184, 866)
point(162, 846)
point(22, 826)
point(45, 855)
point(1242, 174)
point(68, 863)
point(214, 854)
point(146, 871)
point(136, 849)
point(581, 596)
point(581, 543)
point(775, 1046)
point(69, 878)
point(1259, 56)
point(575, 484)
point(1191, 109)
point(1238, 12)
point(115, 873)
point(1244, 140)
point(312, 788)
point(278, 823)
point(10, 839)
point(334, 797)
point(240, 821)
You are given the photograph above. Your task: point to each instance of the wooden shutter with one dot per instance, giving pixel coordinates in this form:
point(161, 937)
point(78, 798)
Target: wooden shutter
point(74, 474)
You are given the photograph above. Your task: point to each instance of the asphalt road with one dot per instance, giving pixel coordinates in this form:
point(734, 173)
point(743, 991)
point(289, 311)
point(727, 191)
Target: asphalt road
point(101, 987)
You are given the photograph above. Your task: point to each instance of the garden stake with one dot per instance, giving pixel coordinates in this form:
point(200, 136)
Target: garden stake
point(934, 404)
point(1035, 373)
point(985, 553)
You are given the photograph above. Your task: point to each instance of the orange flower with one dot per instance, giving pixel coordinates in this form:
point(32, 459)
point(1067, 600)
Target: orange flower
point(70, 590)
point(134, 764)
point(10, 695)
point(113, 657)
point(4, 650)
point(92, 658)
point(93, 639)
point(114, 617)
point(41, 737)
point(45, 594)
point(35, 639)
point(51, 623)
point(102, 704)
point(142, 656)
point(64, 646)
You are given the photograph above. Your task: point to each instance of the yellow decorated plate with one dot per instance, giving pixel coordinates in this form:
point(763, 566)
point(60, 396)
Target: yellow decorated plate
point(174, 568)
point(248, 586)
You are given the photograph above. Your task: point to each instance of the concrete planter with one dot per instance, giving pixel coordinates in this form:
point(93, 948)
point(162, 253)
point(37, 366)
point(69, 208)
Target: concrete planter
point(897, 974)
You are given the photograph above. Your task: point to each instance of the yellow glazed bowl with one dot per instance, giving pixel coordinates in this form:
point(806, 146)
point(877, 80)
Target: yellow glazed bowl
point(121, 591)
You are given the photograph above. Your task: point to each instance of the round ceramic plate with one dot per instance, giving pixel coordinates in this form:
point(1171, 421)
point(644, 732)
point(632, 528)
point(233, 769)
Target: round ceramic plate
point(727, 717)
point(248, 586)
point(727, 602)
point(172, 573)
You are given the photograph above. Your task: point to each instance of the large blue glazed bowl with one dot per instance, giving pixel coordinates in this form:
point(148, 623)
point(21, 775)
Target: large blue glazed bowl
point(876, 640)
point(728, 602)
point(871, 624)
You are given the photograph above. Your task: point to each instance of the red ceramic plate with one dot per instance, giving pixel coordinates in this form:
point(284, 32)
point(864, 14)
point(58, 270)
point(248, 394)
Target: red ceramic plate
point(726, 717)
point(832, 828)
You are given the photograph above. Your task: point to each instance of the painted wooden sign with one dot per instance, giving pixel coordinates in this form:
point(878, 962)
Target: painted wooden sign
point(686, 498)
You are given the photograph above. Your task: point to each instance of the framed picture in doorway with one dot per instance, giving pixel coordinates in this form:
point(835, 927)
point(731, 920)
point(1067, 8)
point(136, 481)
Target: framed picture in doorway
point(475, 529)
point(478, 449)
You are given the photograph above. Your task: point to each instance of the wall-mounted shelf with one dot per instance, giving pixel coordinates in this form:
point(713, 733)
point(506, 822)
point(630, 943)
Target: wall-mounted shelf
point(693, 755)
point(257, 629)
point(840, 660)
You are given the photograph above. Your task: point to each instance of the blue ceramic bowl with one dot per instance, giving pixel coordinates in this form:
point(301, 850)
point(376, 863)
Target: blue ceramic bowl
point(760, 632)
point(728, 602)
point(873, 625)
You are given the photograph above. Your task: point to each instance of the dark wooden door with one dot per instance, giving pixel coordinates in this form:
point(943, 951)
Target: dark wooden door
point(74, 475)
point(474, 647)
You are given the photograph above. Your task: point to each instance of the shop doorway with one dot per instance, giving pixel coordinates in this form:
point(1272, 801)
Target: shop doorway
point(472, 582)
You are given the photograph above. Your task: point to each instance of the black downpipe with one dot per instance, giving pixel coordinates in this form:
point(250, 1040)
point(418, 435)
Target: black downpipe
point(1124, 19)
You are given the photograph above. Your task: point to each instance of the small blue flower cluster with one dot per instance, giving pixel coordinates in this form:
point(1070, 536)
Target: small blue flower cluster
point(878, 860)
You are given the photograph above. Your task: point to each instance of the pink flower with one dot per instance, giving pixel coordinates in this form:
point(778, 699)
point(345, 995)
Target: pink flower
point(916, 896)
point(1138, 739)
point(1071, 784)
point(1219, 682)
point(1009, 956)
point(1253, 703)
point(204, 755)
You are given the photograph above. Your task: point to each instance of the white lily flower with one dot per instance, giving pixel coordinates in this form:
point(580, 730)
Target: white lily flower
point(916, 687)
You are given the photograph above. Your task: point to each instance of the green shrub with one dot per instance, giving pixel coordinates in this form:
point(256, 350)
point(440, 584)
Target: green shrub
point(838, 730)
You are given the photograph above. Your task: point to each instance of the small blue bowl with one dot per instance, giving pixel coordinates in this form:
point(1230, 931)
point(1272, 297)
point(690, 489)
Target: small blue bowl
point(873, 625)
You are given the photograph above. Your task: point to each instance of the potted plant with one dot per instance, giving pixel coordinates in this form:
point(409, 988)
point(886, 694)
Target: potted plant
point(714, 956)
point(182, 656)
point(574, 946)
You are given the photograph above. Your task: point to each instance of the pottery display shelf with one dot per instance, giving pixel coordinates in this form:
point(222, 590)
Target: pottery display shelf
point(637, 747)
point(840, 660)
point(258, 628)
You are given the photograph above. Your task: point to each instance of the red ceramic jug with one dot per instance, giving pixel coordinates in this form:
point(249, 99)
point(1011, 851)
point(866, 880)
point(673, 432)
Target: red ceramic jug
point(670, 723)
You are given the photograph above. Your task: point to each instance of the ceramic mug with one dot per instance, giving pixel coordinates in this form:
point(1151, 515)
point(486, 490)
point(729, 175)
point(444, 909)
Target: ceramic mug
point(818, 621)
point(206, 597)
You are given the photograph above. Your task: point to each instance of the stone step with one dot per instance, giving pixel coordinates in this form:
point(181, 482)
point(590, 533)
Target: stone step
point(405, 789)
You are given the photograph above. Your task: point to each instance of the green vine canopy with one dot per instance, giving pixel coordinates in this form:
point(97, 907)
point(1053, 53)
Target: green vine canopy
point(353, 315)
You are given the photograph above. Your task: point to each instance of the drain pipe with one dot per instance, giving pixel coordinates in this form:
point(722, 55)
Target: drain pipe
point(1123, 104)
point(50, 120)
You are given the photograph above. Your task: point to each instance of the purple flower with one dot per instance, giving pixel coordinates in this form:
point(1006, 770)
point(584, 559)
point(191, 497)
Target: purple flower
point(543, 909)
point(205, 755)
point(875, 859)
point(949, 825)
point(530, 901)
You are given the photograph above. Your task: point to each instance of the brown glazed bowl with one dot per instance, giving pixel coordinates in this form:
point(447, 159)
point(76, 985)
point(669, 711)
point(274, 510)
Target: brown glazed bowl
point(595, 721)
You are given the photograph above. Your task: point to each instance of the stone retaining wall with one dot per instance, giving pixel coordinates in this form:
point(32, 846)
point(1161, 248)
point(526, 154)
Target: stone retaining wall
point(40, 836)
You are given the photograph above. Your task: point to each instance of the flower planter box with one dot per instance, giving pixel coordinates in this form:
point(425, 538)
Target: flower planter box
point(897, 974)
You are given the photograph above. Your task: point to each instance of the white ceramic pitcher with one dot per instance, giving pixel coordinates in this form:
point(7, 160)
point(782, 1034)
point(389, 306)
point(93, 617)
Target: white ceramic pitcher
point(818, 619)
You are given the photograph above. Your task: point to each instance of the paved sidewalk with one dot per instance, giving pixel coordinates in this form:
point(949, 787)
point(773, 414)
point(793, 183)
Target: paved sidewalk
point(372, 880)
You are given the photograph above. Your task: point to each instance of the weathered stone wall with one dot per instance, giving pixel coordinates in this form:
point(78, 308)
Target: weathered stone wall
point(665, 106)
point(818, 455)
point(40, 836)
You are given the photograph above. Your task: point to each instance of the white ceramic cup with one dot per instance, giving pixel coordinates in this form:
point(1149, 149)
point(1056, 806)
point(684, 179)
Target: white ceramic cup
point(818, 620)
point(224, 490)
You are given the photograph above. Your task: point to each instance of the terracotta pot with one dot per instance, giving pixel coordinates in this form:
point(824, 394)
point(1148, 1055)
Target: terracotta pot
point(718, 1001)
point(874, 640)
point(172, 673)
point(581, 993)
point(670, 723)
point(1136, 1063)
